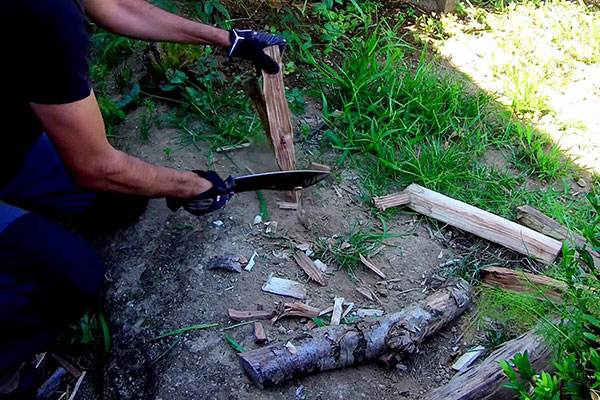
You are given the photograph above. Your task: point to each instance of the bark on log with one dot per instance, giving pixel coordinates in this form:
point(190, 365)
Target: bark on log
point(345, 345)
point(474, 220)
point(278, 115)
point(486, 380)
point(540, 222)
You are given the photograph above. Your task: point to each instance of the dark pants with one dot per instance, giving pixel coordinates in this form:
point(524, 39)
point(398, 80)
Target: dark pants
point(49, 275)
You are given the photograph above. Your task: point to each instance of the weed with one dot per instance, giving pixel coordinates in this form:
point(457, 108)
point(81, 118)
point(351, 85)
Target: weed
point(296, 100)
point(213, 11)
point(344, 250)
point(122, 76)
point(110, 113)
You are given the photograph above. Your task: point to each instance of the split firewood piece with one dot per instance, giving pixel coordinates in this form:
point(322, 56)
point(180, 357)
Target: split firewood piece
point(369, 264)
point(295, 309)
point(542, 223)
point(336, 315)
point(284, 287)
point(238, 315)
point(309, 267)
point(278, 115)
point(392, 200)
point(286, 205)
point(346, 345)
point(252, 88)
point(486, 380)
point(522, 282)
point(320, 167)
point(476, 221)
point(259, 333)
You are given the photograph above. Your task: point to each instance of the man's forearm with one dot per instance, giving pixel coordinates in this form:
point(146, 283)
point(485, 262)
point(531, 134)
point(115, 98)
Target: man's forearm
point(141, 20)
point(126, 174)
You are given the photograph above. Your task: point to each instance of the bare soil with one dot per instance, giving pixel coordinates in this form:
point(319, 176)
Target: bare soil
point(158, 282)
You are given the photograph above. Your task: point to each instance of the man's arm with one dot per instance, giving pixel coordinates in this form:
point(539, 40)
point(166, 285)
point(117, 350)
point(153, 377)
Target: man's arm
point(141, 20)
point(77, 131)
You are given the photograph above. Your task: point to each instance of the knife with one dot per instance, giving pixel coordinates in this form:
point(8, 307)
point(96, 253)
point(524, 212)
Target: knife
point(281, 180)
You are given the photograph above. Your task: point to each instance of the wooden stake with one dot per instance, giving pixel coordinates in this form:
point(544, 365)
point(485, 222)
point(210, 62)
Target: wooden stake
point(278, 114)
point(345, 345)
point(474, 220)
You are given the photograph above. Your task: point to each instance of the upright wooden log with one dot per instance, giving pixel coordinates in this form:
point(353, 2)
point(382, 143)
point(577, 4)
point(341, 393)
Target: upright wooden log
point(486, 381)
point(278, 114)
point(542, 223)
point(474, 220)
point(344, 345)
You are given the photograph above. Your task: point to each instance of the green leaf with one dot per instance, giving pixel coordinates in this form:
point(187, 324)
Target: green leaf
point(234, 345)
point(319, 322)
point(592, 320)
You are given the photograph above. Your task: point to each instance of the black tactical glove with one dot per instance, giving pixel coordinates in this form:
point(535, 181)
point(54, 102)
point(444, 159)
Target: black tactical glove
point(211, 200)
point(249, 45)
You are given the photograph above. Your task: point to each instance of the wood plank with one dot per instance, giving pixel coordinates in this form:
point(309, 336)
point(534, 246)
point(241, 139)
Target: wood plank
point(345, 345)
point(309, 267)
point(369, 264)
point(278, 115)
point(478, 222)
point(522, 282)
point(284, 287)
point(540, 222)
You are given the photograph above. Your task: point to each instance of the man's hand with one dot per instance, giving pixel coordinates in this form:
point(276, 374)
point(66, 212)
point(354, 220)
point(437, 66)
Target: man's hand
point(205, 202)
point(249, 45)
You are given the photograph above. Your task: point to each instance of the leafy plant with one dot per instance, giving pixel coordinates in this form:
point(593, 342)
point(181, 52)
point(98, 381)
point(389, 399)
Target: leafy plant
point(296, 100)
point(213, 11)
point(575, 337)
point(110, 113)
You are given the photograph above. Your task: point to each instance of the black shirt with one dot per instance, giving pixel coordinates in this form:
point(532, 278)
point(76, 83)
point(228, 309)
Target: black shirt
point(44, 60)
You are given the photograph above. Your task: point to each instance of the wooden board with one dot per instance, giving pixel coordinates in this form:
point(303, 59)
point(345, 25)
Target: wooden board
point(476, 221)
point(542, 223)
point(278, 114)
point(522, 282)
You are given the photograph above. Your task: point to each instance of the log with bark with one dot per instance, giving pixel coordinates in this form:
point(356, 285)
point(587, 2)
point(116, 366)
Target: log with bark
point(345, 345)
point(474, 220)
point(486, 381)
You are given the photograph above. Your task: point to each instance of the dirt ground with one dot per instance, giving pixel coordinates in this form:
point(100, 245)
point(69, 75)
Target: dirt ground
point(158, 281)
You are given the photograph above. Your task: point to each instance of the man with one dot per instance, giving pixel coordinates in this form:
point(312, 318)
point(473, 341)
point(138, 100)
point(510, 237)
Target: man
point(49, 275)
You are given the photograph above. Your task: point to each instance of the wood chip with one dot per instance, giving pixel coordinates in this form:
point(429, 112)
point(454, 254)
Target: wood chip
point(320, 265)
point(366, 312)
point(66, 365)
point(468, 358)
point(251, 262)
point(350, 307)
point(309, 267)
point(369, 264)
point(237, 315)
point(326, 311)
point(286, 205)
point(232, 147)
point(320, 167)
point(227, 262)
point(291, 348)
point(365, 292)
point(77, 385)
point(284, 287)
point(259, 333)
point(336, 316)
point(272, 227)
point(295, 309)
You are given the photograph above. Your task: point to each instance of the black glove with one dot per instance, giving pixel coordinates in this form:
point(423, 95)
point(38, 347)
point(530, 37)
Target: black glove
point(211, 200)
point(249, 45)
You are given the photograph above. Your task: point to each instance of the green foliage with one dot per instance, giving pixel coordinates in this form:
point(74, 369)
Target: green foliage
point(575, 337)
point(344, 250)
point(110, 113)
point(111, 49)
point(91, 331)
point(539, 154)
point(296, 100)
point(213, 12)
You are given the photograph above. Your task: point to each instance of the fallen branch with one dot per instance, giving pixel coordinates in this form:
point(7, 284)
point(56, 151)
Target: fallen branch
point(345, 345)
point(486, 380)
point(474, 220)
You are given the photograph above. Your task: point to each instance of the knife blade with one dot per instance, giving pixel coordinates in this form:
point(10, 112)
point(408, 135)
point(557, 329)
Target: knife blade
point(281, 180)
